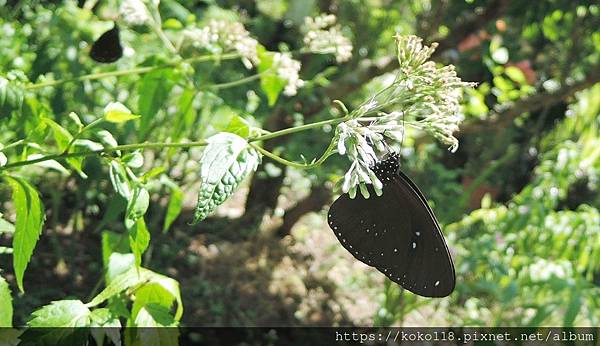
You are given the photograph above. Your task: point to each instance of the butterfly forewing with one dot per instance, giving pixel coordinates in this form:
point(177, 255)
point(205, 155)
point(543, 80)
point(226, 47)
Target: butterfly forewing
point(107, 47)
point(396, 233)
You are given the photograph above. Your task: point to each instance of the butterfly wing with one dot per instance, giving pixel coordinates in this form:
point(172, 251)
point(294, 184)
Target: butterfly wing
point(396, 233)
point(107, 47)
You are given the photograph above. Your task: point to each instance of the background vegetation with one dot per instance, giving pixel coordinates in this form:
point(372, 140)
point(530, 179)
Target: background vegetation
point(518, 201)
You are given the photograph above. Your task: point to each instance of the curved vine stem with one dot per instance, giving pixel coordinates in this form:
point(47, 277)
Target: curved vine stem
point(328, 152)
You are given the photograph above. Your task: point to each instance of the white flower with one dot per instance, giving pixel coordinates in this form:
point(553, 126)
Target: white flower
point(288, 69)
point(134, 12)
point(223, 36)
point(322, 36)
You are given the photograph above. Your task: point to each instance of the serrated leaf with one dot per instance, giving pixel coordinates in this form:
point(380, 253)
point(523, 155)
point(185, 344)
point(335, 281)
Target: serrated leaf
point(149, 320)
point(61, 313)
point(6, 308)
point(174, 207)
point(105, 324)
point(153, 90)
point(10, 337)
point(116, 112)
point(28, 227)
point(139, 238)
point(226, 161)
point(270, 83)
point(11, 97)
point(154, 315)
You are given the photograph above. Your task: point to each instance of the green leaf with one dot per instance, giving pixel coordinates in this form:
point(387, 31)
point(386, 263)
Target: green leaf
point(174, 207)
point(150, 318)
point(62, 136)
point(139, 238)
point(116, 112)
point(516, 75)
point(112, 242)
point(138, 204)
point(226, 161)
point(30, 218)
point(186, 113)
point(154, 315)
point(62, 313)
point(105, 324)
point(119, 179)
point(573, 309)
point(118, 263)
point(133, 278)
point(10, 337)
point(500, 55)
point(6, 308)
point(11, 97)
point(238, 126)
point(270, 82)
point(134, 159)
point(153, 90)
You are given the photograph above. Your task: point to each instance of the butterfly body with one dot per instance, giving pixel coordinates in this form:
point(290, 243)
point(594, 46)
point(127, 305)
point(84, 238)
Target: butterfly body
point(397, 233)
point(107, 48)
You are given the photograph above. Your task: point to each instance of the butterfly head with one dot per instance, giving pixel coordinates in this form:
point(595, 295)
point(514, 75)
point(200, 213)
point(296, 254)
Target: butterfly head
point(387, 168)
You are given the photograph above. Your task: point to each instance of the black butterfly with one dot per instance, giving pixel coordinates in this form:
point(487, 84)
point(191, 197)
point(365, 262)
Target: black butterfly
point(396, 233)
point(107, 47)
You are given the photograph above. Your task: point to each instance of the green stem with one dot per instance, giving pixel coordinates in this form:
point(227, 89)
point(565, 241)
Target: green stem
point(328, 152)
point(236, 82)
point(298, 129)
point(137, 70)
point(162, 145)
point(85, 128)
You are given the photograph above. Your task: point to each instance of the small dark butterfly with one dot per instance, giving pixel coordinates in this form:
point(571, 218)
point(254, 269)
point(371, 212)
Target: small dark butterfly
point(107, 47)
point(396, 233)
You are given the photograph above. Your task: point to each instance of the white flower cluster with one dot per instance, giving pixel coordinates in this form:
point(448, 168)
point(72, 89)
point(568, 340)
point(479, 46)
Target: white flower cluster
point(422, 95)
point(134, 12)
point(287, 69)
point(321, 35)
point(223, 36)
point(543, 270)
point(437, 90)
point(357, 141)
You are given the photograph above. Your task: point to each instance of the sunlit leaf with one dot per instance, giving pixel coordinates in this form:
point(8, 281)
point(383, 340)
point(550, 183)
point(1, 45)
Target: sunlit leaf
point(6, 308)
point(226, 161)
point(139, 238)
point(28, 226)
point(116, 112)
point(153, 89)
point(271, 84)
point(61, 313)
point(174, 207)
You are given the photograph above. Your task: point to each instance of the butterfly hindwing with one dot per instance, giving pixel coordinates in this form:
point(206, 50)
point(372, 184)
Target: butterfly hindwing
point(107, 47)
point(396, 233)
